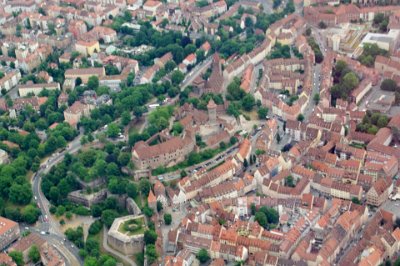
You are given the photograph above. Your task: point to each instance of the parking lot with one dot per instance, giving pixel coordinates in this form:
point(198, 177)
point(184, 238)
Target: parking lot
point(392, 206)
point(369, 101)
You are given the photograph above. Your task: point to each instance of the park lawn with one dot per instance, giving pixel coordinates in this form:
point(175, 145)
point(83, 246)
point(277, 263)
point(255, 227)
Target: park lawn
point(139, 231)
point(29, 176)
point(252, 114)
point(139, 201)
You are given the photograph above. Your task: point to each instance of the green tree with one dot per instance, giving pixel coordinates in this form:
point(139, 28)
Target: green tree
point(300, 117)
point(378, 18)
point(54, 194)
point(253, 209)
point(20, 194)
point(18, 30)
point(159, 206)
point(95, 227)
point(60, 210)
point(200, 55)
point(350, 81)
point(356, 201)
point(177, 77)
point(68, 215)
point(145, 186)
point(319, 57)
point(30, 214)
point(78, 81)
point(189, 49)
point(271, 214)
point(113, 130)
point(150, 237)
point(276, 3)
point(17, 257)
point(316, 98)
point(130, 79)
point(108, 217)
point(177, 129)
point(151, 253)
point(170, 65)
point(41, 11)
point(278, 138)
point(183, 174)
point(125, 118)
point(248, 22)
point(203, 255)
point(132, 190)
point(322, 25)
point(93, 83)
point(52, 28)
point(167, 218)
point(106, 260)
point(382, 121)
point(262, 112)
point(34, 254)
point(222, 145)
point(123, 158)
point(233, 110)
point(111, 70)
point(289, 181)
point(248, 102)
point(234, 91)
point(127, 16)
point(261, 218)
point(12, 213)
point(388, 85)
point(370, 52)
point(148, 211)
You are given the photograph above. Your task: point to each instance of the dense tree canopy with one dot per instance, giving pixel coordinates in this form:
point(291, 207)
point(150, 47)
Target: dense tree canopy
point(345, 81)
point(370, 52)
point(34, 254)
point(202, 255)
point(17, 257)
point(389, 85)
point(372, 122)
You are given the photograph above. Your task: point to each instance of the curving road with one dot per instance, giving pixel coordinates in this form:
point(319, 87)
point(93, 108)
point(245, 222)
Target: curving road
point(47, 224)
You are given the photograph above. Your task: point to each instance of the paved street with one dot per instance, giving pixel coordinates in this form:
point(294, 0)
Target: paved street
point(195, 72)
point(315, 89)
point(177, 217)
point(391, 206)
point(55, 235)
point(63, 247)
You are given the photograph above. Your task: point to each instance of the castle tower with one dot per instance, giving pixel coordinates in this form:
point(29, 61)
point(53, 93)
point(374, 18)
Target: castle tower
point(212, 111)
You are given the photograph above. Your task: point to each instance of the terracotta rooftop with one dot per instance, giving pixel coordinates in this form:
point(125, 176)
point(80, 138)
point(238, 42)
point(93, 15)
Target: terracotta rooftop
point(26, 242)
